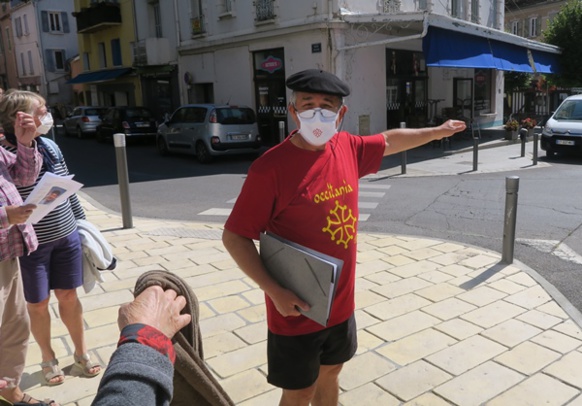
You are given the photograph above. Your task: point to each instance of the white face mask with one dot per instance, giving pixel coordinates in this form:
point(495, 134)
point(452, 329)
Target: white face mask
point(46, 123)
point(317, 125)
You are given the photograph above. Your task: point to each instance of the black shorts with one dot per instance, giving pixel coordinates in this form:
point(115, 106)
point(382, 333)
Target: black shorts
point(294, 361)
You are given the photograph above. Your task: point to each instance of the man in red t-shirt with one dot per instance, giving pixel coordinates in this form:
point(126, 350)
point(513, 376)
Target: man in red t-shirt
point(306, 191)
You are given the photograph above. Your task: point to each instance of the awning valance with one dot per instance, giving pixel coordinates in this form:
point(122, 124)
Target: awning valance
point(447, 48)
point(100, 76)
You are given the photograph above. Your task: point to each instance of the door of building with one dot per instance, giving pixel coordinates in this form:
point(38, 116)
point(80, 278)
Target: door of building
point(270, 94)
point(406, 101)
point(406, 89)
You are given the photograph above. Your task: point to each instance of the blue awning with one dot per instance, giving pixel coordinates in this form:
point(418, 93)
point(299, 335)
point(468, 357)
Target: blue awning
point(447, 48)
point(545, 62)
point(100, 76)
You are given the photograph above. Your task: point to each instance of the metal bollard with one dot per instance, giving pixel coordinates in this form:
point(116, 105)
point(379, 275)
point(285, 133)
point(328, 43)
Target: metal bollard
point(535, 148)
point(475, 153)
point(281, 131)
point(523, 138)
point(123, 179)
point(511, 189)
point(403, 154)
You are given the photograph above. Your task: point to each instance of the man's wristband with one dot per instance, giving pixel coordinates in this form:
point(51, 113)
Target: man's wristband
point(150, 336)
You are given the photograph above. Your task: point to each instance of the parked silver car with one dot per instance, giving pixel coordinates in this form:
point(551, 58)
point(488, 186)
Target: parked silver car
point(208, 130)
point(83, 121)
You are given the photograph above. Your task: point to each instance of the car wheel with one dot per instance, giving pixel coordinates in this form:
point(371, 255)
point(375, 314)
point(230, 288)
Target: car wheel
point(80, 133)
point(65, 131)
point(202, 153)
point(161, 146)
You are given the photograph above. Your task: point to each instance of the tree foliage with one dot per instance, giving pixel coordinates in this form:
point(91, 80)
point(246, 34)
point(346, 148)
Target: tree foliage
point(516, 80)
point(565, 31)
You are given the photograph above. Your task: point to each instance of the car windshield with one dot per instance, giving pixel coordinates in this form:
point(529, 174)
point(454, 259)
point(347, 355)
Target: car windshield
point(569, 110)
point(137, 113)
point(94, 112)
point(230, 115)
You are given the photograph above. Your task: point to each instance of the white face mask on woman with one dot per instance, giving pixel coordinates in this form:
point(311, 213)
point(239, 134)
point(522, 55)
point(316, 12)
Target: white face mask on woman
point(46, 123)
point(317, 126)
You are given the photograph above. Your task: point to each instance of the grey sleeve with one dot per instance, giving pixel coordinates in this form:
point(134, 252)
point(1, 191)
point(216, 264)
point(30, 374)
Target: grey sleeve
point(136, 375)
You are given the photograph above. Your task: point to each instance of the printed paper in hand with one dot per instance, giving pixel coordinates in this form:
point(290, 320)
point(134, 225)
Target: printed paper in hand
point(50, 191)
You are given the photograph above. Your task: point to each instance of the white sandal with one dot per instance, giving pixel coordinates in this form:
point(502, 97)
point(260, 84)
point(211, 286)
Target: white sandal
point(85, 364)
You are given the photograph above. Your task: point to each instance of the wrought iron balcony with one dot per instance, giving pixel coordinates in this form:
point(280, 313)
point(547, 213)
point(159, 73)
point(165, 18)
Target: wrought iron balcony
point(98, 16)
point(265, 10)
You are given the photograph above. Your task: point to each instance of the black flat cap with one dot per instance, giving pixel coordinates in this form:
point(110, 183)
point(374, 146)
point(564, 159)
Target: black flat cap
point(317, 81)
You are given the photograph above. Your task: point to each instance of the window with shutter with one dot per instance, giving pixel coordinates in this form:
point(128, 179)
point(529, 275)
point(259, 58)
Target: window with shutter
point(116, 52)
point(49, 60)
point(60, 60)
point(30, 64)
point(65, 21)
point(18, 27)
point(22, 64)
point(25, 21)
point(55, 24)
point(44, 21)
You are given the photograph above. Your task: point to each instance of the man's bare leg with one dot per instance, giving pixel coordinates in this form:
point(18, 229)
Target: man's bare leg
point(327, 386)
point(297, 397)
point(324, 392)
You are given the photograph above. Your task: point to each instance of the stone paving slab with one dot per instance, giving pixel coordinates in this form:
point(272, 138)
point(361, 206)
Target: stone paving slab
point(439, 323)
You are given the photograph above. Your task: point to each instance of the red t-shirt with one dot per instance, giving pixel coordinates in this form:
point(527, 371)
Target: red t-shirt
point(311, 198)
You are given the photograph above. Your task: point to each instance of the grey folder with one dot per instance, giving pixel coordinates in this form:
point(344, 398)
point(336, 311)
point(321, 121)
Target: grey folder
point(309, 274)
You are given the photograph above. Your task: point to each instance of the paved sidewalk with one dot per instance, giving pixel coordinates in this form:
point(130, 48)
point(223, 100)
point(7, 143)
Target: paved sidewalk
point(439, 323)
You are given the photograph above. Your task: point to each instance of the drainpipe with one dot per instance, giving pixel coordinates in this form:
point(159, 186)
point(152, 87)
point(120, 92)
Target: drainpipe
point(500, 11)
point(43, 78)
point(177, 23)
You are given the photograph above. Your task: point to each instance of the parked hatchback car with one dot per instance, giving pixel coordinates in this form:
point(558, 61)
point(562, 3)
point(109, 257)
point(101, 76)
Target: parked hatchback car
point(563, 130)
point(83, 121)
point(208, 130)
point(135, 122)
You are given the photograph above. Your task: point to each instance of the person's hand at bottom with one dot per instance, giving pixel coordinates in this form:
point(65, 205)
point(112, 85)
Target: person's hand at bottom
point(157, 308)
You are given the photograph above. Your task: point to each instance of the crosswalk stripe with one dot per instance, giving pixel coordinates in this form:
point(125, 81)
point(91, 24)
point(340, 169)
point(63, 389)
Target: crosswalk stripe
point(372, 194)
point(370, 186)
point(215, 212)
point(367, 205)
point(361, 205)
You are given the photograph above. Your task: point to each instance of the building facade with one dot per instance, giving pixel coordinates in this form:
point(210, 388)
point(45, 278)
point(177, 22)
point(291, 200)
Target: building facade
point(106, 32)
point(529, 19)
point(413, 62)
point(37, 39)
point(8, 71)
point(410, 62)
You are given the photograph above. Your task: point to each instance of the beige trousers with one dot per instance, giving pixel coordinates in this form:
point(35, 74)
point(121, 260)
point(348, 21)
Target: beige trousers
point(14, 322)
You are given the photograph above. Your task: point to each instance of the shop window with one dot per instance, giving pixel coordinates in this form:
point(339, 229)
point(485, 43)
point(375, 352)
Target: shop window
point(482, 91)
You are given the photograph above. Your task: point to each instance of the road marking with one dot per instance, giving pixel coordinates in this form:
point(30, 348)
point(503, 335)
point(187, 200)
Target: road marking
point(370, 186)
point(553, 247)
point(367, 205)
point(372, 194)
point(215, 212)
point(361, 205)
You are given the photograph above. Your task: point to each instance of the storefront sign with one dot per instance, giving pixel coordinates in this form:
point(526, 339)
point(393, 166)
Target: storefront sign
point(316, 48)
point(271, 64)
point(480, 78)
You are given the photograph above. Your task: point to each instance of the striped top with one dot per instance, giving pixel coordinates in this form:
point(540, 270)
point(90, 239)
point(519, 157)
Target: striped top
point(61, 221)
